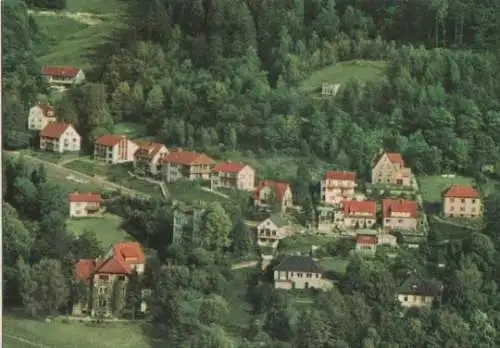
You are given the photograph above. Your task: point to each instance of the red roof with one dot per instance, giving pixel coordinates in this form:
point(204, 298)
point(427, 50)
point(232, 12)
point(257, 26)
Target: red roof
point(399, 206)
point(279, 187)
point(128, 250)
point(340, 175)
point(110, 139)
point(458, 191)
point(60, 71)
point(228, 167)
point(54, 130)
point(187, 158)
point(149, 149)
point(352, 208)
point(84, 269)
point(48, 110)
point(396, 158)
point(85, 197)
point(366, 240)
point(112, 266)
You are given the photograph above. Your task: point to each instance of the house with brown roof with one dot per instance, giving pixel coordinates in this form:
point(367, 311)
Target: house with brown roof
point(366, 243)
point(62, 75)
point(102, 276)
point(389, 168)
point(186, 165)
point(267, 190)
point(399, 214)
point(300, 272)
point(272, 230)
point(233, 175)
point(114, 149)
point(147, 157)
point(60, 137)
point(84, 204)
point(41, 115)
point(337, 186)
point(462, 201)
point(359, 214)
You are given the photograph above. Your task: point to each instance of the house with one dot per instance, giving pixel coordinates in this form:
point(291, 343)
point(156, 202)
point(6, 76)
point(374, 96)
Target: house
point(187, 223)
point(102, 276)
point(366, 243)
point(337, 186)
point(399, 214)
point(419, 293)
point(389, 169)
point(329, 218)
point(147, 156)
point(462, 201)
point(387, 239)
point(186, 165)
point(114, 149)
point(41, 115)
point(233, 175)
point(299, 272)
point(272, 229)
point(84, 204)
point(59, 137)
point(359, 214)
point(63, 75)
point(268, 190)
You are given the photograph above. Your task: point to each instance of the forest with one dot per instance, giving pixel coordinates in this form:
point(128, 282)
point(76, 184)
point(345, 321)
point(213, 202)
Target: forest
point(214, 75)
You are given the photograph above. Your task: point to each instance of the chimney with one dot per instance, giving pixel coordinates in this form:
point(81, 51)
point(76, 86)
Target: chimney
point(414, 287)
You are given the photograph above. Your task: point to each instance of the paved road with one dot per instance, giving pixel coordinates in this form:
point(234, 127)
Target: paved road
point(97, 181)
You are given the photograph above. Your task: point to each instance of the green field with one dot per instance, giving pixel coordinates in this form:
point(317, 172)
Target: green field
point(111, 7)
point(107, 228)
point(341, 73)
point(334, 264)
point(130, 129)
point(31, 333)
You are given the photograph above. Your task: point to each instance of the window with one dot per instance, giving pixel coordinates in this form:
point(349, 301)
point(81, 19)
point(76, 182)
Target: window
point(317, 275)
point(309, 275)
point(473, 201)
point(299, 275)
point(463, 200)
point(274, 233)
point(74, 140)
point(400, 221)
point(462, 208)
point(452, 200)
point(405, 299)
point(452, 208)
point(121, 277)
point(103, 277)
point(387, 220)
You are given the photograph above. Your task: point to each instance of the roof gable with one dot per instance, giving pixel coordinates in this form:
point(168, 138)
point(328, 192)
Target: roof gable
point(363, 207)
point(420, 287)
point(340, 175)
point(461, 191)
point(304, 264)
point(125, 250)
point(112, 266)
point(149, 149)
point(77, 197)
point(390, 206)
point(46, 109)
point(110, 139)
point(366, 240)
point(60, 71)
point(187, 158)
point(279, 188)
point(228, 167)
point(54, 130)
point(393, 157)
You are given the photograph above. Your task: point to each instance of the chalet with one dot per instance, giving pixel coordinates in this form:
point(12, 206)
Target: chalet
point(103, 276)
point(272, 229)
point(419, 293)
point(59, 137)
point(114, 149)
point(337, 186)
point(389, 169)
point(186, 165)
point(41, 115)
point(63, 75)
point(462, 201)
point(366, 243)
point(147, 157)
point(299, 272)
point(84, 204)
point(399, 214)
point(233, 175)
point(268, 190)
point(359, 214)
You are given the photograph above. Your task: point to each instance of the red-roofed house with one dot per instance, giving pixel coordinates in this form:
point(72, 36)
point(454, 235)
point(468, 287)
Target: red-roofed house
point(147, 156)
point(359, 214)
point(233, 175)
point(41, 115)
point(366, 243)
point(337, 186)
point(186, 165)
point(389, 168)
point(462, 201)
point(59, 137)
point(104, 276)
point(63, 75)
point(399, 214)
point(281, 191)
point(114, 149)
point(84, 204)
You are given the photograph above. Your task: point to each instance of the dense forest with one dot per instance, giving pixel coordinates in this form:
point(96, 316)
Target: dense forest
point(215, 75)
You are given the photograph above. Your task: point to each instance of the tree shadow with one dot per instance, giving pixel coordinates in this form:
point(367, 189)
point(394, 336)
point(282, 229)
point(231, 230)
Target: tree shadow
point(432, 208)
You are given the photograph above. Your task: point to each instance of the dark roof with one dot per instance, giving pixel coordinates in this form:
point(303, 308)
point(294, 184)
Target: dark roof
point(298, 264)
point(279, 220)
point(421, 288)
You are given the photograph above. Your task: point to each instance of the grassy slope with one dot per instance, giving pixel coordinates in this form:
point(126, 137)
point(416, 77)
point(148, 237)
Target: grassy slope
point(61, 335)
point(431, 186)
point(340, 73)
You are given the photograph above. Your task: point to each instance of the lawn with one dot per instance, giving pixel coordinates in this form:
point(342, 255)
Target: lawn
point(56, 334)
point(57, 28)
point(303, 242)
point(110, 7)
point(53, 157)
point(334, 264)
point(341, 73)
point(107, 228)
point(130, 129)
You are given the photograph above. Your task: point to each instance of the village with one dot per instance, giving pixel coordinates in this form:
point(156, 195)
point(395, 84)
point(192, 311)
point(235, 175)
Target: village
point(385, 212)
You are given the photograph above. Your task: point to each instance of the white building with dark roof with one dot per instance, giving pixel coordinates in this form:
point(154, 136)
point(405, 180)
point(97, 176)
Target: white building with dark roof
point(299, 272)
